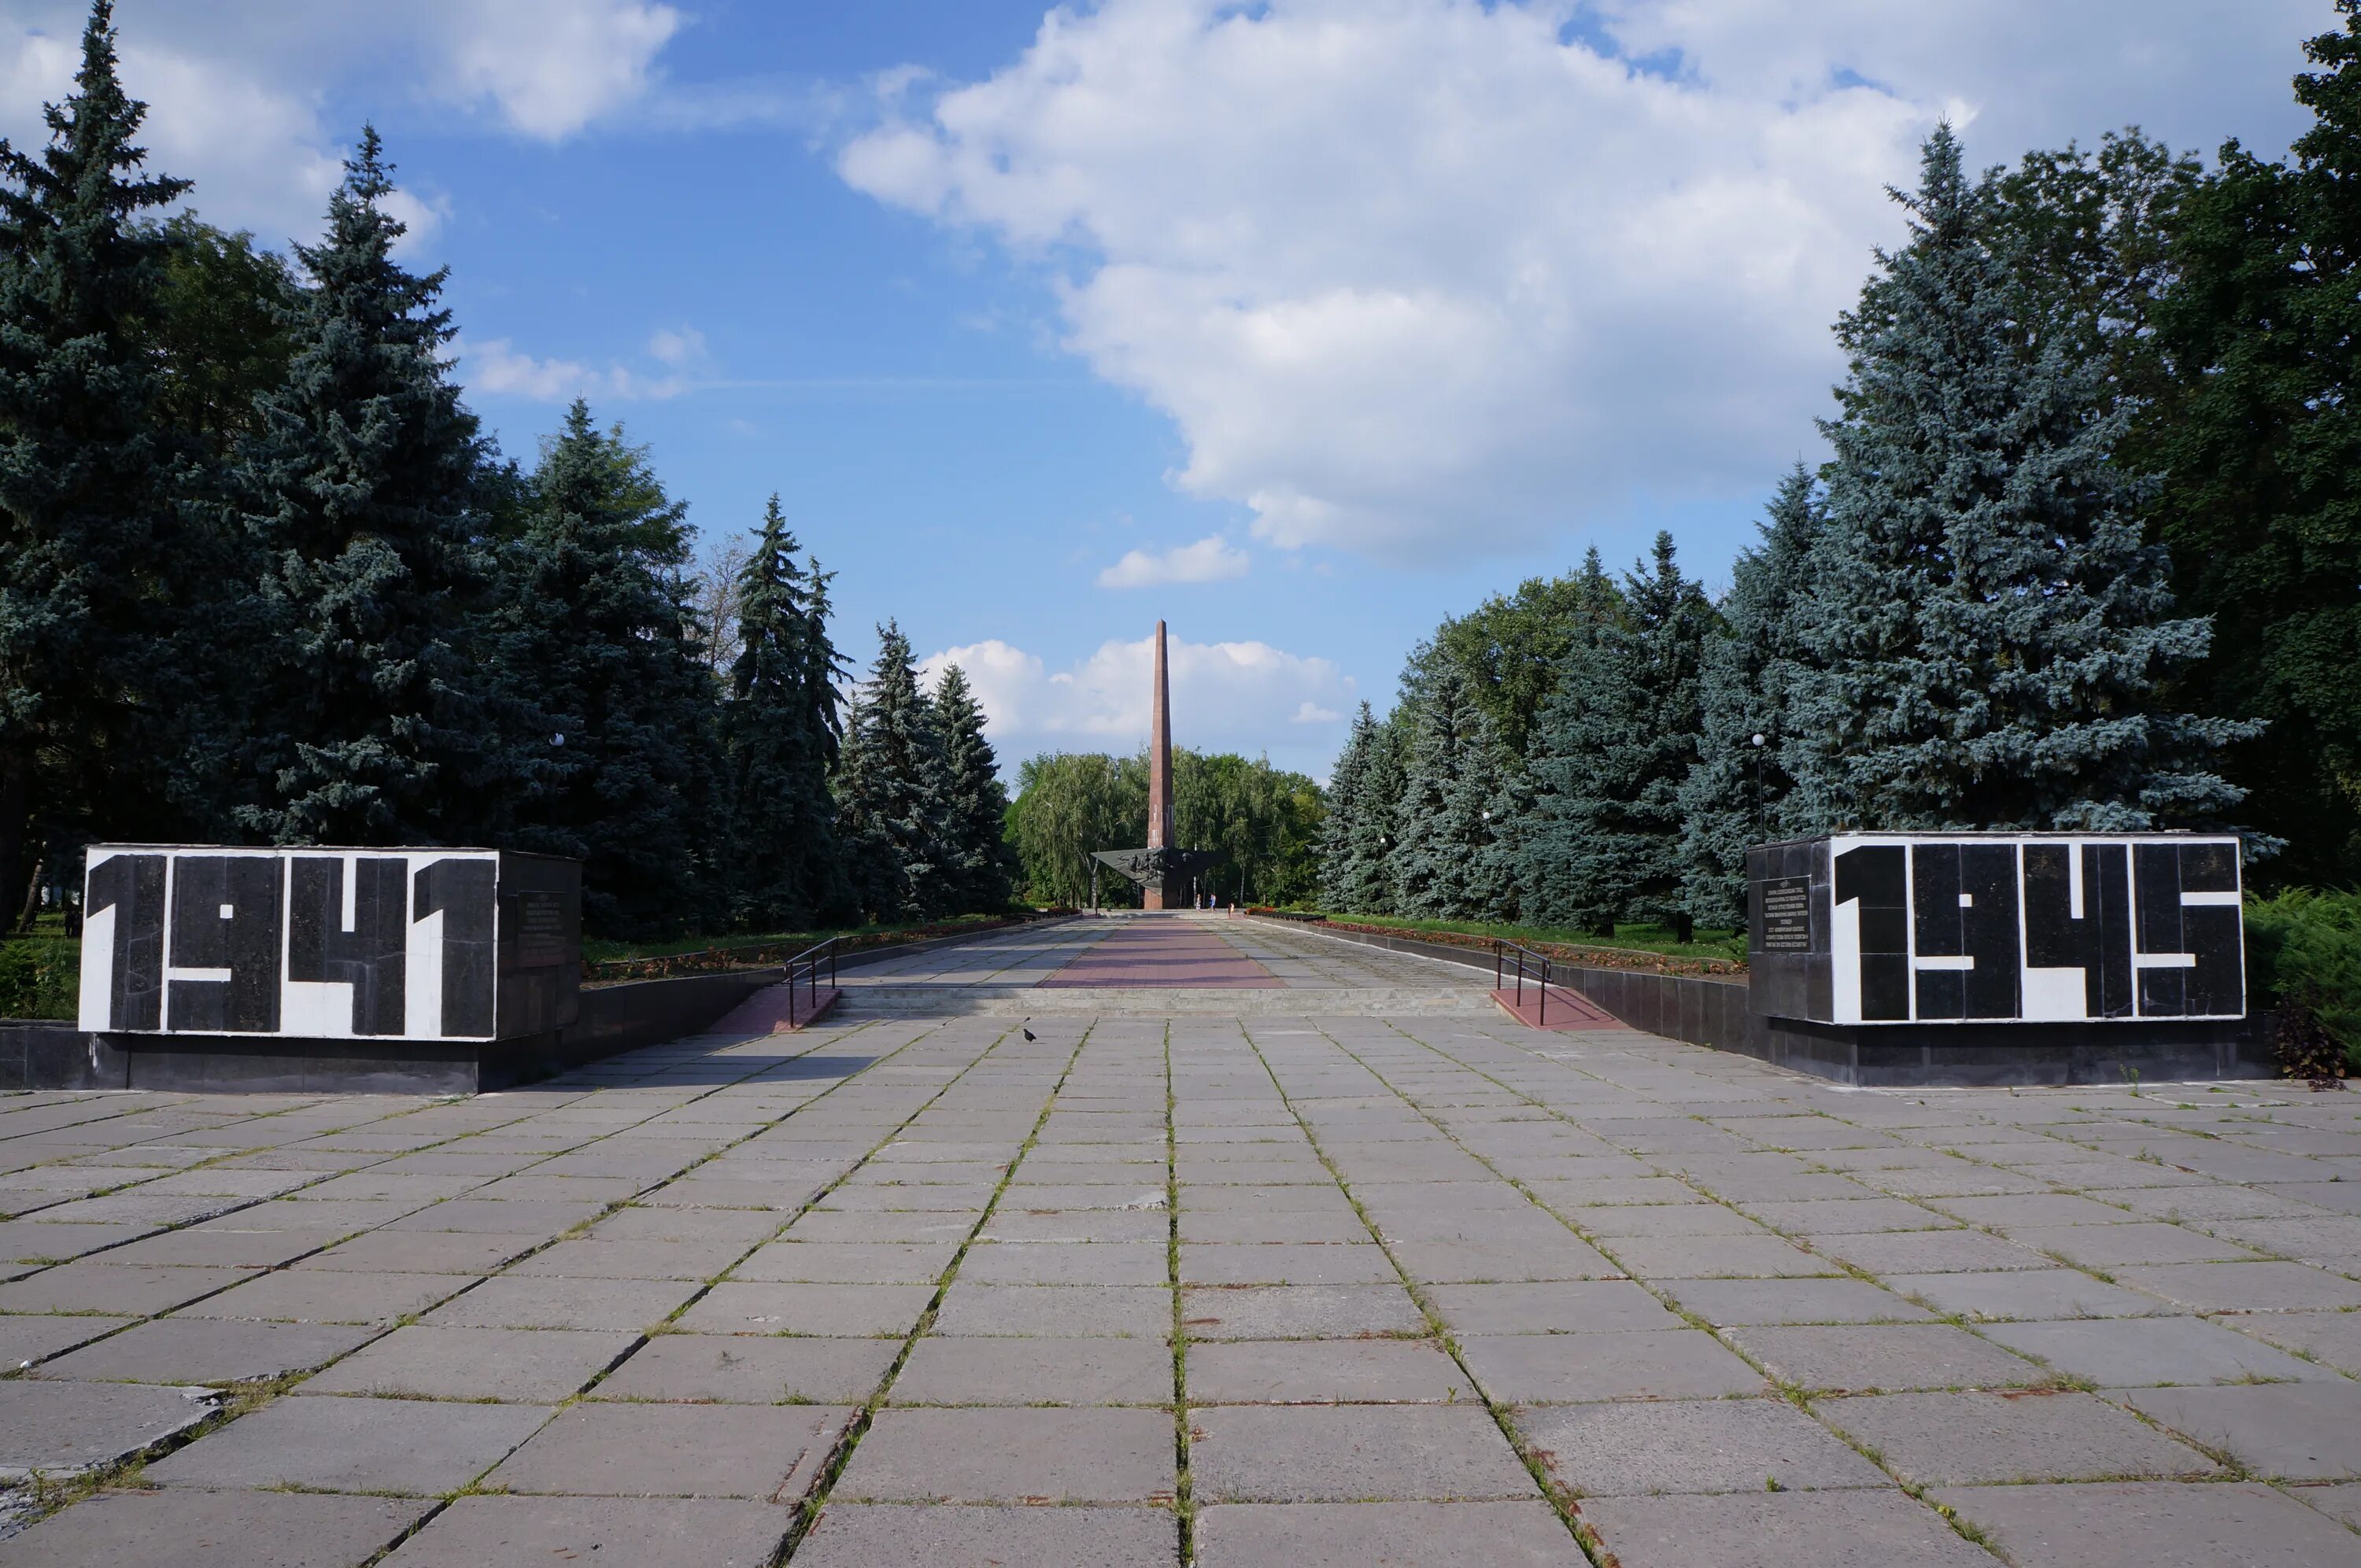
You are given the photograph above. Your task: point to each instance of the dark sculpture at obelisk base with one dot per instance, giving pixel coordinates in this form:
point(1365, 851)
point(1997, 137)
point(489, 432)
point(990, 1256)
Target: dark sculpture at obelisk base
point(1163, 871)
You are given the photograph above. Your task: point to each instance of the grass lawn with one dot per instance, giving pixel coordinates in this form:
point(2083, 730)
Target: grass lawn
point(1706, 944)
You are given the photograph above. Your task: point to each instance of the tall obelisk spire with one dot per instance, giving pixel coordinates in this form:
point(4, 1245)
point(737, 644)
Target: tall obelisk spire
point(1159, 771)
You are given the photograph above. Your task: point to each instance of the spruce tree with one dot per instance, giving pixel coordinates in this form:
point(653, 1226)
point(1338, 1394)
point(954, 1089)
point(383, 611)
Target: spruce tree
point(975, 801)
point(1989, 627)
point(366, 726)
point(893, 815)
point(783, 734)
point(87, 520)
point(1734, 796)
point(1445, 842)
point(594, 622)
point(2259, 431)
point(1612, 746)
point(1340, 832)
point(1370, 887)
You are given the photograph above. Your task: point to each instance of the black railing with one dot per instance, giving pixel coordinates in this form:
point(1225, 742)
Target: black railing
point(1511, 965)
point(803, 977)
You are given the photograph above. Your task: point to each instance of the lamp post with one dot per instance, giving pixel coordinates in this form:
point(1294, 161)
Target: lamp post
point(1758, 784)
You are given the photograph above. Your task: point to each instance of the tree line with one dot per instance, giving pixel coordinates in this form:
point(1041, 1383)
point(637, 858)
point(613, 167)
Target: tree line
point(264, 578)
point(2087, 557)
point(1262, 822)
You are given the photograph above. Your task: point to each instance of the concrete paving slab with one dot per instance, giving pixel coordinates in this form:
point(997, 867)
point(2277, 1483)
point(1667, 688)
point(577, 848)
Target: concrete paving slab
point(63, 1429)
point(1351, 1453)
point(106, 1289)
point(526, 1301)
point(742, 1369)
point(2334, 1338)
point(515, 1365)
point(1979, 1438)
point(1725, 1302)
point(894, 1535)
point(1889, 1357)
point(26, 1340)
point(1056, 1311)
point(1000, 1456)
point(1536, 1369)
point(2024, 1294)
point(1047, 1262)
point(848, 1263)
point(529, 1532)
point(1278, 1372)
point(845, 1311)
point(1718, 1257)
point(1703, 1445)
point(1574, 1307)
point(323, 1296)
point(765, 1452)
point(1826, 1530)
point(1045, 1370)
point(2133, 1352)
point(2236, 1286)
point(413, 1447)
point(179, 1528)
point(1299, 1311)
point(184, 1351)
point(1385, 1535)
point(2150, 1525)
point(2301, 1432)
point(637, 1257)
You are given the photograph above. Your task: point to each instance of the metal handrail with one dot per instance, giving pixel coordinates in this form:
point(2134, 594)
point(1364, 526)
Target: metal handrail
point(1501, 949)
point(808, 962)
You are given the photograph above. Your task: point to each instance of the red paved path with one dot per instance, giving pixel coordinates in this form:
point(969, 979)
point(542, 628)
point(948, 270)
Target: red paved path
point(1566, 1009)
point(1167, 953)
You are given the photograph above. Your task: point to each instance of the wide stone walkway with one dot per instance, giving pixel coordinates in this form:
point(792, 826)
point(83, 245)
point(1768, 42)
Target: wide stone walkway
point(1332, 1288)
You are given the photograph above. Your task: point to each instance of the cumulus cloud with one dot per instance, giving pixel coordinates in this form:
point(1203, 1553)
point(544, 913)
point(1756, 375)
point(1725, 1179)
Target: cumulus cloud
point(1410, 271)
point(495, 367)
point(234, 87)
point(1225, 696)
point(1210, 560)
point(684, 345)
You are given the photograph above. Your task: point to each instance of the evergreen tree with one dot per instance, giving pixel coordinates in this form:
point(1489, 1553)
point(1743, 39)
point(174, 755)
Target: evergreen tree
point(367, 727)
point(1732, 798)
point(1443, 852)
point(1376, 808)
point(1508, 650)
point(893, 816)
point(784, 736)
point(2259, 431)
point(1341, 836)
point(1989, 628)
point(977, 853)
point(87, 534)
point(1611, 748)
point(594, 622)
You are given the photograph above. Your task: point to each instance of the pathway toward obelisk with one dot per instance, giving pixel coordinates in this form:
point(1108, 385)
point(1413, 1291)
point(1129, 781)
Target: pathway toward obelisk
point(1160, 891)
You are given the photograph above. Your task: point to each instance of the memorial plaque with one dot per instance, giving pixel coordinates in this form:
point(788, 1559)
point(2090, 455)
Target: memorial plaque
point(1788, 915)
point(306, 943)
point(1998, 927)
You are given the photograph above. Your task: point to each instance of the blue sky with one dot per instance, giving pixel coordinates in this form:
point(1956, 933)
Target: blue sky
point(1317, 318)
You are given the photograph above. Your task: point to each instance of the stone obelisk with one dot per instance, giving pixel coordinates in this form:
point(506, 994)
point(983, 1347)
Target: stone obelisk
point(1163, 892)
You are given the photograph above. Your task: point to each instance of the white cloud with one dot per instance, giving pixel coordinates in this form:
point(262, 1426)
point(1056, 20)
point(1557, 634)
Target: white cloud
point(1210, 560)
point(684, 347)
point(550, 67)
point(1225, 696)
point(1407, 272)
point(235, 88)
point(494, 366)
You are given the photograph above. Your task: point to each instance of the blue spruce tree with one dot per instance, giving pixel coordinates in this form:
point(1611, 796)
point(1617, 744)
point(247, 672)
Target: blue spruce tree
point(1602, 841)
point(1734, 794)
point(981, 863)
point(1989, 628)
point(1341, 835)
point(1444, 855)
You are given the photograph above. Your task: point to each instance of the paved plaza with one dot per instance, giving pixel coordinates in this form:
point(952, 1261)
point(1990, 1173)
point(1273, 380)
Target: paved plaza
point(1134, 1283)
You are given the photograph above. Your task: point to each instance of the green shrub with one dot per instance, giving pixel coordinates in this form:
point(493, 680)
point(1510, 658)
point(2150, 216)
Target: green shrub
point(2304, 947)
point(39, 977)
